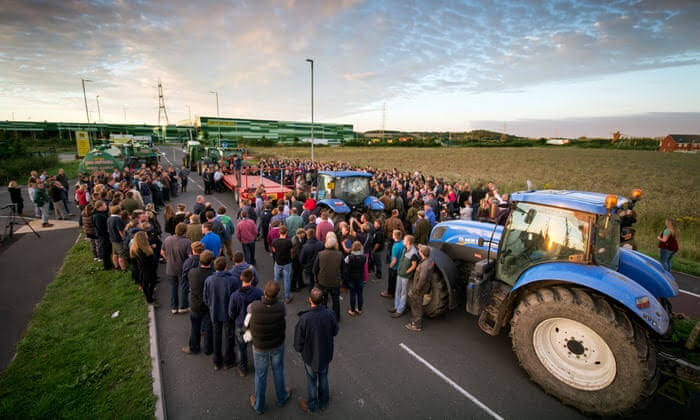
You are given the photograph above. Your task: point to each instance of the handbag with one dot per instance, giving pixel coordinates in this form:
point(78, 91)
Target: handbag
point(247, 335)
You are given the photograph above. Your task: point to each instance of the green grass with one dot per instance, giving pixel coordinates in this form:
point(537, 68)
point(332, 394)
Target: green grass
point(71, 169)
point(75, 360)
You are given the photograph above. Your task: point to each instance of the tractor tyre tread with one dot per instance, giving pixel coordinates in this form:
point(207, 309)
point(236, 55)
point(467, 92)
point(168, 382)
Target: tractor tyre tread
point(636, 378)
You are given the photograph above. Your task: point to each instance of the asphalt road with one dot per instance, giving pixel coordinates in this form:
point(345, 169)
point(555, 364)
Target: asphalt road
point(376, 371)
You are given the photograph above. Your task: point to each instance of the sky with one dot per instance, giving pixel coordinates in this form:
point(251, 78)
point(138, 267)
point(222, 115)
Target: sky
point(544, 68)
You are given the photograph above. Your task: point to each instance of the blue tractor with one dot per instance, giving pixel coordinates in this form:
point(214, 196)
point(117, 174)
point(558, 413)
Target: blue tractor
point(584, 314)
point(346, 193)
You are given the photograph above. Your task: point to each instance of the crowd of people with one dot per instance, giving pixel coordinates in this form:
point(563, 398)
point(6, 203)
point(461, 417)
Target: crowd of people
point(314, 253)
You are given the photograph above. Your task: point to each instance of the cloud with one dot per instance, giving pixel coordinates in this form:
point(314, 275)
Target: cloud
point(253, 52)
point(359, 76)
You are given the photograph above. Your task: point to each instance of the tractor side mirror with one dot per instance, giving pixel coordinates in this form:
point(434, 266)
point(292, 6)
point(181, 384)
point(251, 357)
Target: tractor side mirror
point(530, 216)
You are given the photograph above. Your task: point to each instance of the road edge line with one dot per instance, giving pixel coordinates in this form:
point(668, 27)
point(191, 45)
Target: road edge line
point(689, 293)
point(160, 413)
point(452, 383)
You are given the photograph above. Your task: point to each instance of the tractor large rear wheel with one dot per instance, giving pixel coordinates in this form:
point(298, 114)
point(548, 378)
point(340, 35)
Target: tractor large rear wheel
point(440, 297)
point(583, 350)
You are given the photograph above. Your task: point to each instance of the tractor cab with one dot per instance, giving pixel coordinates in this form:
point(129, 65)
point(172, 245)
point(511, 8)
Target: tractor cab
point(558, 226)
point(349, 186)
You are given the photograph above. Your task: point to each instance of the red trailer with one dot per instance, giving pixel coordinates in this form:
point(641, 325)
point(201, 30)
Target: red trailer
point(250, 180)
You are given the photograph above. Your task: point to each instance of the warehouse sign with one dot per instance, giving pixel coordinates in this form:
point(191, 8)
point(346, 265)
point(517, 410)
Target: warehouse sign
point(82, 141)
point(221, 123)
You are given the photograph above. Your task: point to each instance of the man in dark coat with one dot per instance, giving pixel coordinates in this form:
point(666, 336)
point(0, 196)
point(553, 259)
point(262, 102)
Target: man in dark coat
point(199, 312)
point(307, 256)
point(419, 287)
point(267, 326)
point(422, 229)
point(238, 310)
point(217, 291)
point(99, 219)
point(313, 338)
point(326, 269)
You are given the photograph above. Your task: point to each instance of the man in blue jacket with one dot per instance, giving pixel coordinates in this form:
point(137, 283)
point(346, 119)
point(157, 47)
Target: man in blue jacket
point(240, 265)
point(217, 291)
point(313, 338)
point(237, 311)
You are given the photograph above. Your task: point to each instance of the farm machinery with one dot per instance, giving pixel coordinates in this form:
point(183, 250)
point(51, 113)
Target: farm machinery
point(587, 318)
point(108, 157)
point(198, 157)
point(346, 192)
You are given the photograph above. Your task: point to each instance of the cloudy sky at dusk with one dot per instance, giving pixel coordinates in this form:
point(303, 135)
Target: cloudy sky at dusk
point(542, 68)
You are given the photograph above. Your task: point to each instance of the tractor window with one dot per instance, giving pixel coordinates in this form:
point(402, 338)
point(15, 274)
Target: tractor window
point(352, 189)
point(536, 233)
point(607, 241)
point(323, 192)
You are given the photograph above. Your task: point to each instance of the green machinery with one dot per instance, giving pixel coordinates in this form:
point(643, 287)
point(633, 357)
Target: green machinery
point(108, 157)
point(197, 156)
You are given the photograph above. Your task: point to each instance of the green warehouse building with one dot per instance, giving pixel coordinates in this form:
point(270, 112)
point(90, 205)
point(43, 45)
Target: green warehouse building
point(287, 132)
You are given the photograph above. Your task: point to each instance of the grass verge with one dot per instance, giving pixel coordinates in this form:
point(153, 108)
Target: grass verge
point(76, 361)
point(70, 167)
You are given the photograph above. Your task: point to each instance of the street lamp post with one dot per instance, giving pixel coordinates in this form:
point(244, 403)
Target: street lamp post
point(217, 109)
point(217, 101)
point(87, 114)
point(312, 107)
point(99, 113)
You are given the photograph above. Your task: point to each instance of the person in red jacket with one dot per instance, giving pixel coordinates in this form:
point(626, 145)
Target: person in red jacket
point(247, 233)
point(668, 243)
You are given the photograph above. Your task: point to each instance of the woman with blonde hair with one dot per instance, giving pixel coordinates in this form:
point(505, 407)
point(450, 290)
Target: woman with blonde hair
point(145, 263)
point(668, 243)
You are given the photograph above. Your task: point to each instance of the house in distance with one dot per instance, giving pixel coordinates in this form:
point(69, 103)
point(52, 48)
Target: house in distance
point(680, 143)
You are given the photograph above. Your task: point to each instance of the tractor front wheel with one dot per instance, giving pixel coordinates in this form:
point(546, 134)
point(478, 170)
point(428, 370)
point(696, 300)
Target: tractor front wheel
point(583, 350)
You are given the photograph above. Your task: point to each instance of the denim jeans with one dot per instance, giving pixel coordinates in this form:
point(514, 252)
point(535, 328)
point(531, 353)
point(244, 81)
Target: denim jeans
point(317, 389)
point(284, 271)
point(177, 288)
point(201, 323)
point(262, 361)
point(475, 210)
point(401, 294)
point(241, 349)
point(44, 210)
point(249, 253)
point(223, 331)
point(665, 256)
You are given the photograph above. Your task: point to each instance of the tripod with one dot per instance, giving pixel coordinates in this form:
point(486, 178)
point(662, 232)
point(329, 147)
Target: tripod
point(10, 226)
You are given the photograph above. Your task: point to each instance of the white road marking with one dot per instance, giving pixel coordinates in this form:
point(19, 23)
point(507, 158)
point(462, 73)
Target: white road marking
point(689, 293)
point(452, 383)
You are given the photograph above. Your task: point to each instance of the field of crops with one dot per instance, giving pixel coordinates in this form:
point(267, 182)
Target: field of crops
point(669, 180)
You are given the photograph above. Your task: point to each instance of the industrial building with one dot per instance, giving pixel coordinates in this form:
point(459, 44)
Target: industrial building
point(205, 128)
point(279, 131)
